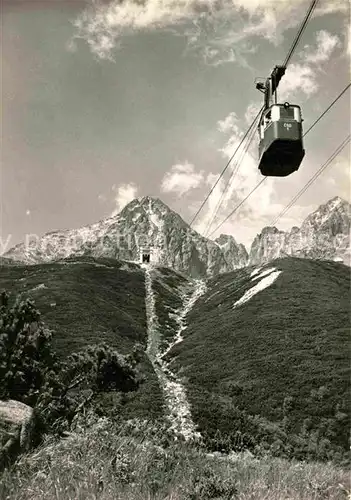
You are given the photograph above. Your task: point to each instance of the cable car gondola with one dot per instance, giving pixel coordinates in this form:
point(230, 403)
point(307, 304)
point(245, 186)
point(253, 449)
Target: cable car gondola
point(280, 131)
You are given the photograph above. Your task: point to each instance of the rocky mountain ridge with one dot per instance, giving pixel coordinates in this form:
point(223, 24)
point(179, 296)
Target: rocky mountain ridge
point(148, 223)
point(143, 223)
point(324, 234)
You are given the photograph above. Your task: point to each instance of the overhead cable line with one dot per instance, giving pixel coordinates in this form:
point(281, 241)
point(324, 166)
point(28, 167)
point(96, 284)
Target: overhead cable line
point(313, 178)
point(301, 30)
point(262, 180)
point(230, 180)
point(227, 165)
point(238, 206)
point(328, 108)
point(286, 62)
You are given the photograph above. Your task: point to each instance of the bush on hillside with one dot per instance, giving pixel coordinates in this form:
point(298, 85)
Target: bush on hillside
point(30, 372)
point(27, 363)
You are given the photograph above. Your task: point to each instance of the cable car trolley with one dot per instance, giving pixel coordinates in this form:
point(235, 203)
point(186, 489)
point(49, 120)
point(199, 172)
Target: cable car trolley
point(280, 131)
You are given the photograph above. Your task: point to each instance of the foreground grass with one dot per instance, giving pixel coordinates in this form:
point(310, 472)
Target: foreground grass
point(139, 462)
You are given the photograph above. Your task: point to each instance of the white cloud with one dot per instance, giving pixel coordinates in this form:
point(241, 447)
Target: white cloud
point(181, 179)
point(242, 175)
point(298, 78)
point(219, 29)
point(326, 44)
point(304, 76)
point(330, 6)
point(252, 111)
point(229, 124)
point(125, 193)
point(215, 57)
point(206, 215)
point(28, 212)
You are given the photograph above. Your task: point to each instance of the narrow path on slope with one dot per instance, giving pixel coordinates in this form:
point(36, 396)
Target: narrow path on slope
point(178, 407)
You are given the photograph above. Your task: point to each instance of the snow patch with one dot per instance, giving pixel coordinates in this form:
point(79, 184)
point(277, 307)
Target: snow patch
point(156, 220)
point(136, 217)
point(255, 271)
point(264, 273)
point(261, 285)
point(38, 287)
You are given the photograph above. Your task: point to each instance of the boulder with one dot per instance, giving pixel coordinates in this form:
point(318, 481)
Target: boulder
point(16, 429)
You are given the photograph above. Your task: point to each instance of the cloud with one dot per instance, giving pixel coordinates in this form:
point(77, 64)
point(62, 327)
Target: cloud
point(331, 6)
point(125, 193)
point(229, 124)
point(252, 111)
point(215, 57)
point(298, 78)
point(304, 76)
point(326, 44)
point(241, 176)
point(181, 179)
point(221, 30)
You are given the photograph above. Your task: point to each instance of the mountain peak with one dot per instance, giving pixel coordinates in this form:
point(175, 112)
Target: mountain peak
point(325, 233)
point(150, 199)
point(329, 212)
point(149, 202)
point(334, 203)
point(224, 239)
point(336, 199)
point(270, 230)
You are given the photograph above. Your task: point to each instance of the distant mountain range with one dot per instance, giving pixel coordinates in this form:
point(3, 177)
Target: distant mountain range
point(148, 223)
point(324, 234)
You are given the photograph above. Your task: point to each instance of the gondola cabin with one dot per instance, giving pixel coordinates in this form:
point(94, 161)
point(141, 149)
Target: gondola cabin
point(281, 146)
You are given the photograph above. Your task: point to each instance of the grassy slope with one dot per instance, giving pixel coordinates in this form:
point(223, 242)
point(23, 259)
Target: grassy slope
point(108, 461)
point(85, 301)
point(288, 340)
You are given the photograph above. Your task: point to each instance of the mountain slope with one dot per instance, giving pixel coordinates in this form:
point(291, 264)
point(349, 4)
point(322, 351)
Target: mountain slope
point(144, 222)
point(324, 234)
point(271, 345)
point(85, 301)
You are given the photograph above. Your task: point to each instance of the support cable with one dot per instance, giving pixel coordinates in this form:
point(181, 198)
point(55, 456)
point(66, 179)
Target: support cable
point(262, 180)
point(313, 178)
point(286, 62)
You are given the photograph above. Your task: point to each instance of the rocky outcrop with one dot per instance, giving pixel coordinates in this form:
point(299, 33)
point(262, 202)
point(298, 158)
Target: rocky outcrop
point(148, 222)
point(16, 429)
point(144, 222)
point(267, 246)
point(235, 254)
point(324, 234)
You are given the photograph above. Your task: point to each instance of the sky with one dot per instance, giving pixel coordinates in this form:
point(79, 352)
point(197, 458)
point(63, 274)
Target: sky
point(106, 101)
